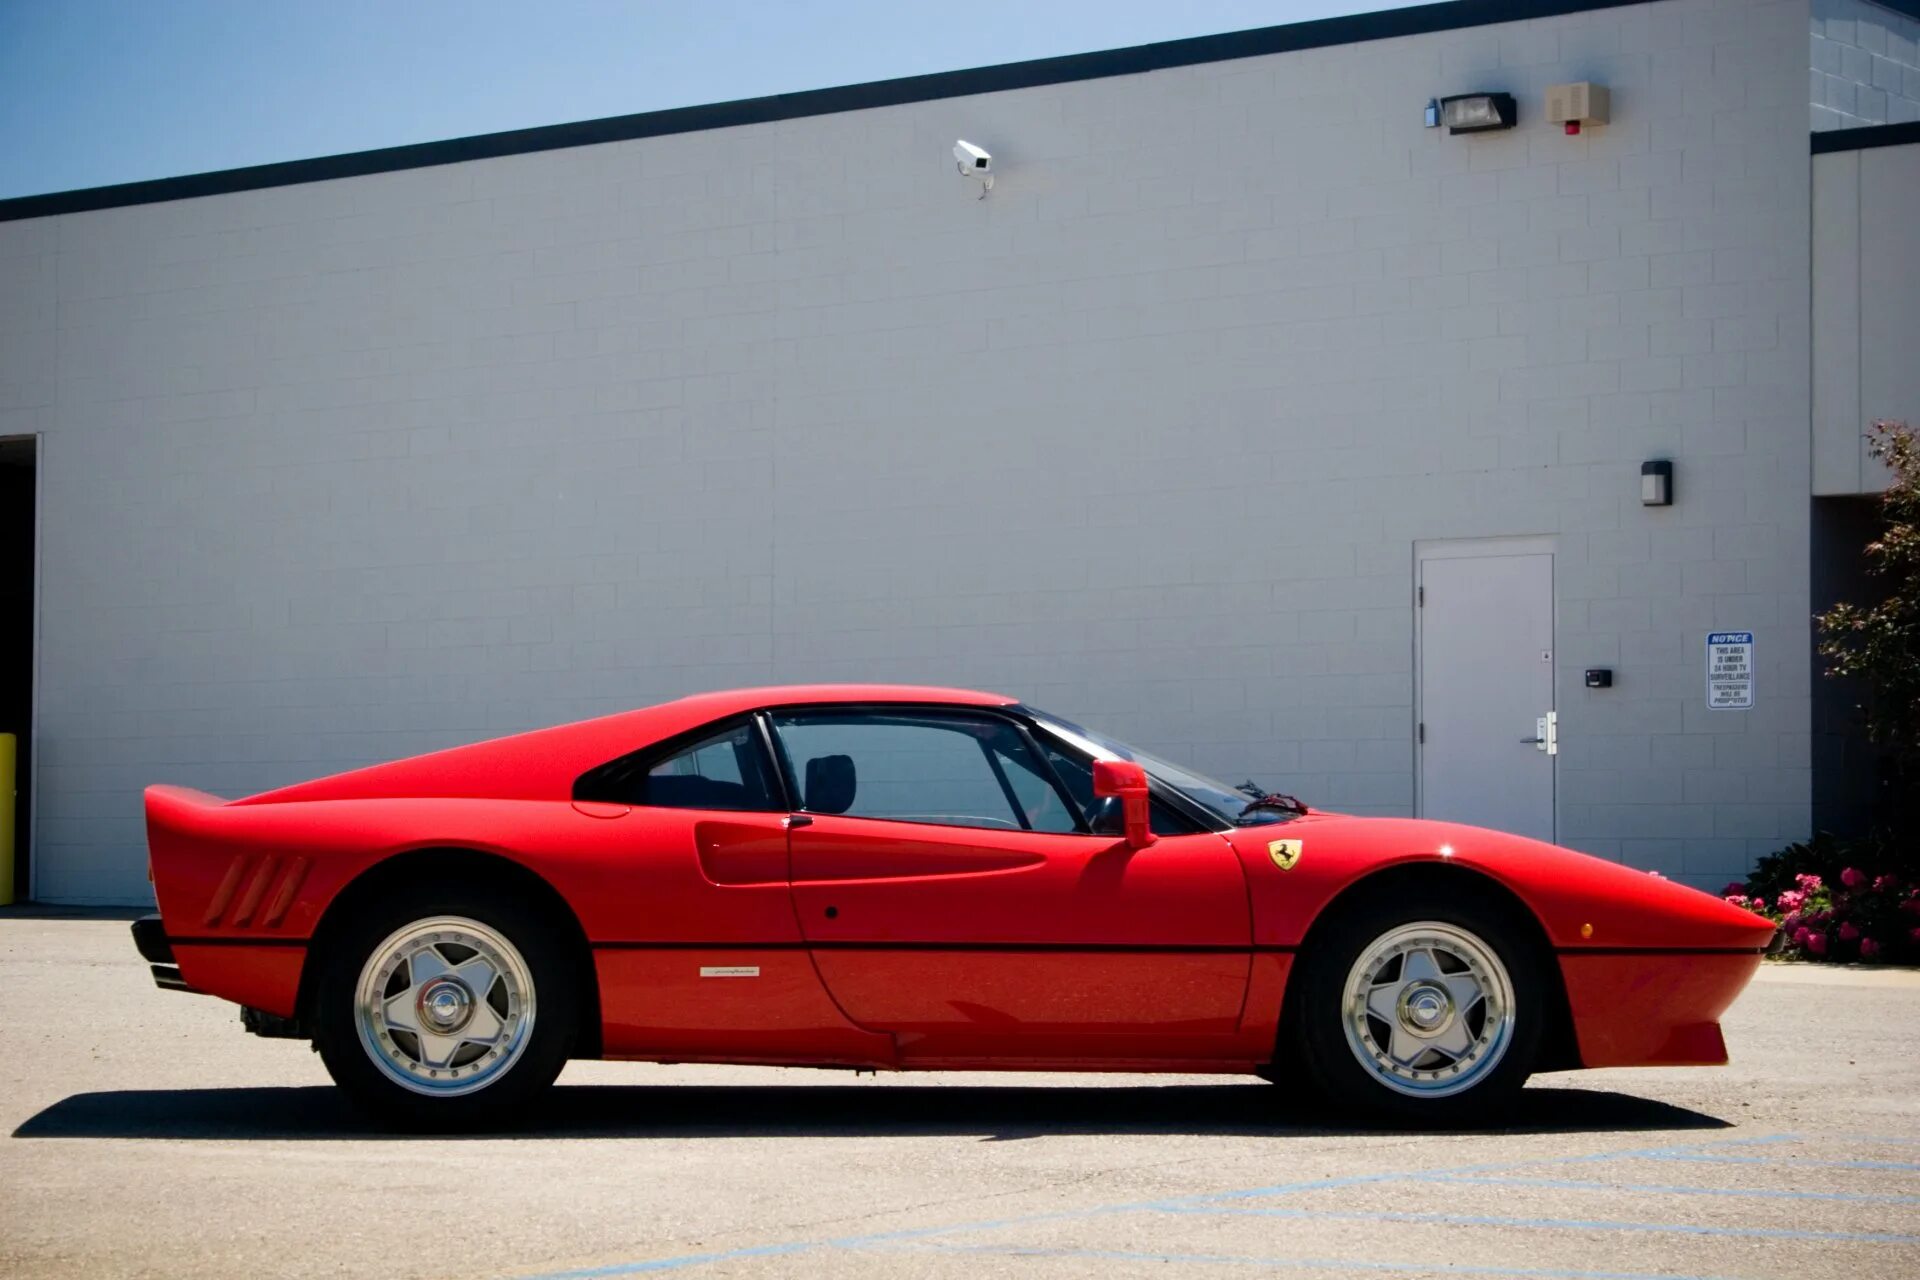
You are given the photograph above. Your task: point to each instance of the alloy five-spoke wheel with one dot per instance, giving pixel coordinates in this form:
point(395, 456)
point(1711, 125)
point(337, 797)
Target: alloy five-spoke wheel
point(1424, 1000)
point(444, 1006)
point(426, 1000)
point(1429, 1009)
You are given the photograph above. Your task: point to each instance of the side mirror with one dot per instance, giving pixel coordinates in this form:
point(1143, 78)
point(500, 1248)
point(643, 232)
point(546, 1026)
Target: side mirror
point(1127, 781)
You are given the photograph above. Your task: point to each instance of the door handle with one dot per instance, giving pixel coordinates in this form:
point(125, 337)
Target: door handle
point(1546, 734)
point(798, 820)
point(1532, 741)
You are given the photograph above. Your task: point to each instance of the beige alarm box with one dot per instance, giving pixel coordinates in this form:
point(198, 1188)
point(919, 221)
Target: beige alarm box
point(1580, 103)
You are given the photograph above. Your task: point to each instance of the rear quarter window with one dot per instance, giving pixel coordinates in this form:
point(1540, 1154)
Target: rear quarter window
point(725, 769)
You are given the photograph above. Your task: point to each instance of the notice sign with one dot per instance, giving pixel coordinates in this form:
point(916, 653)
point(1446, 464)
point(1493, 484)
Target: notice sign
point(1729, 670)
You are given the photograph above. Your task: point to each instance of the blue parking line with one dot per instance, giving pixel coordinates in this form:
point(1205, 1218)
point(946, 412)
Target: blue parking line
point(1598, 1157)
point(1190, 1203)
point(1560, 1224)
point(1753, 1193)
point(1795, 1162)
point(674, 1264)
point(1669, 1153)
point(1305, 1264)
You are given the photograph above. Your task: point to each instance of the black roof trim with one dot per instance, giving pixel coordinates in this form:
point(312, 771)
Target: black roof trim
point(1872, 135)
point(1318, 34)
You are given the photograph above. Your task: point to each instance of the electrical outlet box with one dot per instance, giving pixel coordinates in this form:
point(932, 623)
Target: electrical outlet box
point(1577, 104)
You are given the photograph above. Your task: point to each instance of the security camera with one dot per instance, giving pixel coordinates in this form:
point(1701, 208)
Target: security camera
point(974, 162)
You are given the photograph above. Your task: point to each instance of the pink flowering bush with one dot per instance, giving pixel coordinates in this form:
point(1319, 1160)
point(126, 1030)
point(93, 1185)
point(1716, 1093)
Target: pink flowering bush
point(1859, 898)
point(1840, 900)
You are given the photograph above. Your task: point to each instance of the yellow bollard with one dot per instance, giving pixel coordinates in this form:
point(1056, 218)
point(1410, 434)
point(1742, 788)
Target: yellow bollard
point(9, 758)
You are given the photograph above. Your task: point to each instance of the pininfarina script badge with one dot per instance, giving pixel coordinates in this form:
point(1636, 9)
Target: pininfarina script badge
point(1284, 852)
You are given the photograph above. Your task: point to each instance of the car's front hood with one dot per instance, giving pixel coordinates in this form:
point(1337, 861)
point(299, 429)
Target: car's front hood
point(1581, 901)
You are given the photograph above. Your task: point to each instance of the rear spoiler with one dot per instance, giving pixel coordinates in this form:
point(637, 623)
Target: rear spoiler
point(177, 799)
point(178, 819)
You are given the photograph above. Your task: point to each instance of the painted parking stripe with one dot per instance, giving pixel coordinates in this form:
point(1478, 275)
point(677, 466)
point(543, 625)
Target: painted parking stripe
point(1559, 1224)
point(1754, 1193)
point(1666, 1153)
point(1795, 1161)
point(1304, 1264)
point(1597, 1157)
point(674, 1264)
point(1176, 1204)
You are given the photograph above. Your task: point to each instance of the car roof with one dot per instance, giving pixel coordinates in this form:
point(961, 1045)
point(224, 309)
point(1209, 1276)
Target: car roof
point(732, 701)
point(542, 763)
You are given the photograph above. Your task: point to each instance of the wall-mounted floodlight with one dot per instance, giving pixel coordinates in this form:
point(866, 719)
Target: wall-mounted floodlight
point(1477, 112)
point(1656, 483)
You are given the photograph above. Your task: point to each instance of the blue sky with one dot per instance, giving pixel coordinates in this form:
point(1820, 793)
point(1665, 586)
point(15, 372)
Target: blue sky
point(102, 91)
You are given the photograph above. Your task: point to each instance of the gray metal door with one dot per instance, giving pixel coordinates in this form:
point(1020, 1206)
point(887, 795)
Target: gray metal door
point(1488, 733)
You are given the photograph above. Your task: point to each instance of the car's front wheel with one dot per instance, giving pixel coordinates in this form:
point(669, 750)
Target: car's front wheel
point(446, 1012)
point(1428, 1012)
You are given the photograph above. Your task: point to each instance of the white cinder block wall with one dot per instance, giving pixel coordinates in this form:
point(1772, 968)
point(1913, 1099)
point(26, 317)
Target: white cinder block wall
point(1865, 65)
point(354, 469)
point(1866, 309)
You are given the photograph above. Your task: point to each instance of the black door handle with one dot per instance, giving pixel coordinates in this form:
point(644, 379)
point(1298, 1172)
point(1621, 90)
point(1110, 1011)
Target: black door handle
point(798, 820)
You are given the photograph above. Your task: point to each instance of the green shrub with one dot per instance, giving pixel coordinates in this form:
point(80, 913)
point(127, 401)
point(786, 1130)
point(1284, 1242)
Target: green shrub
point(1840, 899)
point(1859, 898)
point(1879, 644)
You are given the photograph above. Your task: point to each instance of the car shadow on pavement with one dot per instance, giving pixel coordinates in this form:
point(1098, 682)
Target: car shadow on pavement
point(994, 1112)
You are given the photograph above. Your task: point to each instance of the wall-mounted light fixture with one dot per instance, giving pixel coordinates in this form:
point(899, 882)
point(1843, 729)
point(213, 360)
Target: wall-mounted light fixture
point(1477, 112)
point(1656, 483)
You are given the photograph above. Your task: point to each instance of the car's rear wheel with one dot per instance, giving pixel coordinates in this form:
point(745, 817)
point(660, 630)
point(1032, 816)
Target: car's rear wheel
point(1429, 1012)
point(446, 1011)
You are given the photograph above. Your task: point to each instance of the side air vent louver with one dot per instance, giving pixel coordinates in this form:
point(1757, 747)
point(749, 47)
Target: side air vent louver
point(259, 875)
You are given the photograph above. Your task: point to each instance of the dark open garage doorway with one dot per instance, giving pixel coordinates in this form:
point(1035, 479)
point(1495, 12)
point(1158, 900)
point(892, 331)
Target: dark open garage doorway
point(17, 526)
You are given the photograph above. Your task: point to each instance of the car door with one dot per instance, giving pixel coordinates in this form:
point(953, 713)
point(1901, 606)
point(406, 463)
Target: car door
point(951, 895)
point(681, 850)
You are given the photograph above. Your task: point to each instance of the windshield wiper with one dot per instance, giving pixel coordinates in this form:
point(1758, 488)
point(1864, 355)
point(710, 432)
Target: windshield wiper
point(1263, 799)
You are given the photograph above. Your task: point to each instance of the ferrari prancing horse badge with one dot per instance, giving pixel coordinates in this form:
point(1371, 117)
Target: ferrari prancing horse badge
point(1284, 853)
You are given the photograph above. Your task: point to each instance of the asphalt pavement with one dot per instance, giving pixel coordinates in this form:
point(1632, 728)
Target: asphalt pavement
point(147, 1135)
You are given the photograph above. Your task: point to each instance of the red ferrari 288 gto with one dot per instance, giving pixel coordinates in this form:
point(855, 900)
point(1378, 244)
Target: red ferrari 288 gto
point(908, 878)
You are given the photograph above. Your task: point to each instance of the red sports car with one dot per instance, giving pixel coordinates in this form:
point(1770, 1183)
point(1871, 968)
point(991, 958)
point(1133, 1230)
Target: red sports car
point(893, 877)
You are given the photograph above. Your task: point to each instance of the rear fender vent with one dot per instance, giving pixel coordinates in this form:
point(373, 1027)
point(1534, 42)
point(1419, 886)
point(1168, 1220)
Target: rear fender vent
point(269, 880)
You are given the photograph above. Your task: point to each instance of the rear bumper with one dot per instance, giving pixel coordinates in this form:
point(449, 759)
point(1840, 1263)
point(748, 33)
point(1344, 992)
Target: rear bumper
point(150, 939)
point(262, 973)
point(167, 978)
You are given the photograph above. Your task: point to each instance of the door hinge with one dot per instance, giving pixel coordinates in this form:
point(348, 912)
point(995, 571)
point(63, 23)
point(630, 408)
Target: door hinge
point(1421, 596)
point(1423, 733)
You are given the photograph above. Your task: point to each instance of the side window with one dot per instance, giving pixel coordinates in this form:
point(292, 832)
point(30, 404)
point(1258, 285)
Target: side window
point(1041, 801)
point(1077, 776)
point(726, 770)
point(951, 770)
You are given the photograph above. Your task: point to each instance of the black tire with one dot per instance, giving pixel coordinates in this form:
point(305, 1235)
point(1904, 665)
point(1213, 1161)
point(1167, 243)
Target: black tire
point(503, 1100)
point(1314, 1040)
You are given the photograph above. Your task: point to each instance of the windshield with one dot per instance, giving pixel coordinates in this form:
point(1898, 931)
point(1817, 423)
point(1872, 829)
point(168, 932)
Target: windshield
point(1230, 804)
